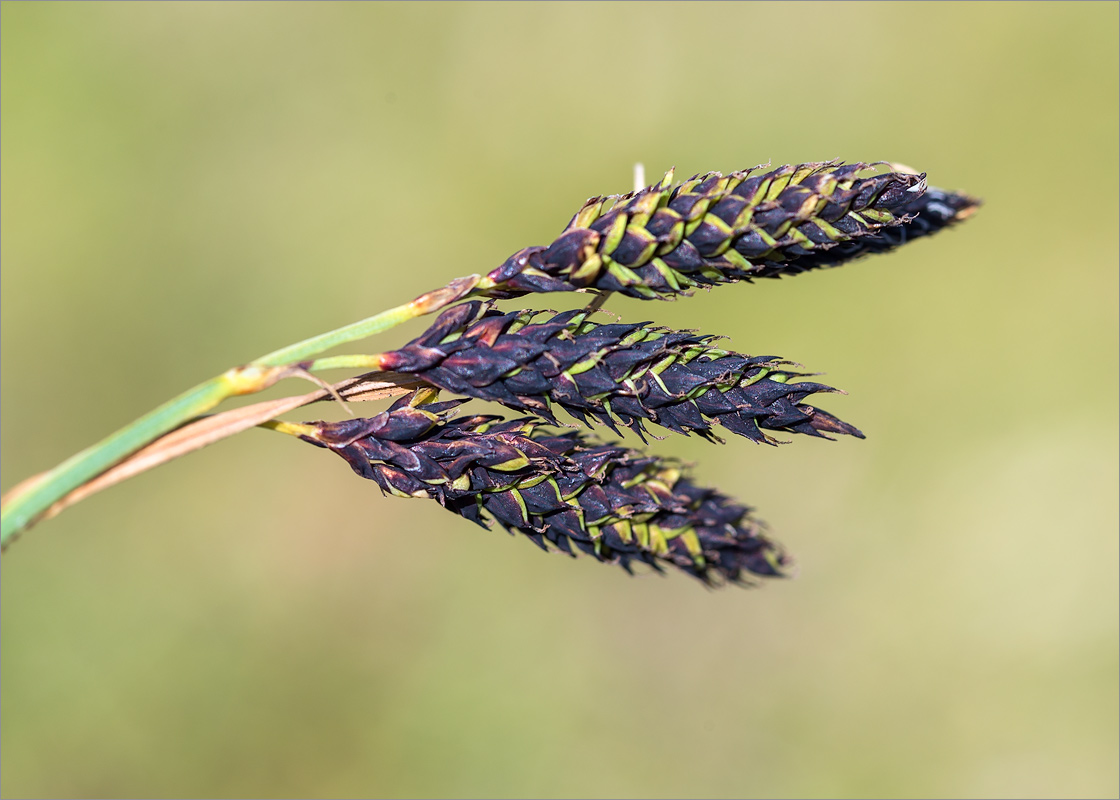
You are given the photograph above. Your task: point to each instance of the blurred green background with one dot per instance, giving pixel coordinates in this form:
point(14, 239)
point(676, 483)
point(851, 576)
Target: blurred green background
point(188, 186)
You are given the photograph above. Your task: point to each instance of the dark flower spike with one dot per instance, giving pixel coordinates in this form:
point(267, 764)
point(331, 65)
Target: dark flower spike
point(668, 238)
point(624, 373)
point(561, 492)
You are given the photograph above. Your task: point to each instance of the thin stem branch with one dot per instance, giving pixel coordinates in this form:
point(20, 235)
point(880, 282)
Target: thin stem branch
point(345, 362)
point(300, 351)
point(424, 304)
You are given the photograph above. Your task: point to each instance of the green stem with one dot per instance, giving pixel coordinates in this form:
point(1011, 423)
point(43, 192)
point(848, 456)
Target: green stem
point(301, 351)
point(346, 362)
point(22, 510)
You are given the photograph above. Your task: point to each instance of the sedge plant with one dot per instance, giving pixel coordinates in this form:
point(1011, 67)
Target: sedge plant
point(566, 491)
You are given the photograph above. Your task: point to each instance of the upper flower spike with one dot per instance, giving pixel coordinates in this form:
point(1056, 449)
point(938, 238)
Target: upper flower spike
point(668, 238)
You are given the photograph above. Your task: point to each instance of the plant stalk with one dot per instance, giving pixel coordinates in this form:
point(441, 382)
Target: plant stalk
point(23, 507)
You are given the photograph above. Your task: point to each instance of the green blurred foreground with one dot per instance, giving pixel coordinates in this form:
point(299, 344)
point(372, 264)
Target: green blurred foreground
point(188, 185)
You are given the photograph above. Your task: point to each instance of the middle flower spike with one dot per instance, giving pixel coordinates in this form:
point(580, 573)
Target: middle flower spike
point(625, 373)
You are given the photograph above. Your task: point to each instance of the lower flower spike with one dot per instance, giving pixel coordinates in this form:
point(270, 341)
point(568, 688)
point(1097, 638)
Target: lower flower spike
point(562, 492)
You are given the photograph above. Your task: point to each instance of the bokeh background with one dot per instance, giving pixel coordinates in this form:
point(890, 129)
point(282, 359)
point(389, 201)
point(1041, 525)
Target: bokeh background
point(188, 186)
